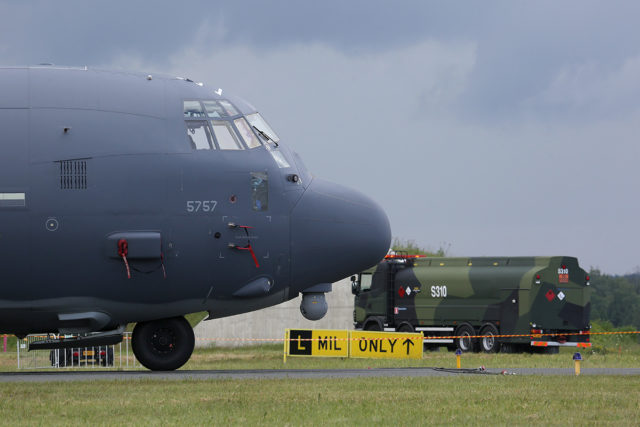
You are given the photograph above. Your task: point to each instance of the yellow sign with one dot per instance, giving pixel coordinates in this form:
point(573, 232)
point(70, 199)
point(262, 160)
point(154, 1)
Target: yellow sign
point(317, 342)
point(385, 345)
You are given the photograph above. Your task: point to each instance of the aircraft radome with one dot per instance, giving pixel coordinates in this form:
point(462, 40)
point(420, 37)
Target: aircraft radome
point(127, 197)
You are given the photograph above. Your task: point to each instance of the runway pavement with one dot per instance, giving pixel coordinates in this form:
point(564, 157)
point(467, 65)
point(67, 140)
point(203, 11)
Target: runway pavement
point(291, 374)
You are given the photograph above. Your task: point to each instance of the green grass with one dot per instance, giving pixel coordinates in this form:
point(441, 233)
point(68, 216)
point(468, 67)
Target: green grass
point(381, 401)
point(464, 399)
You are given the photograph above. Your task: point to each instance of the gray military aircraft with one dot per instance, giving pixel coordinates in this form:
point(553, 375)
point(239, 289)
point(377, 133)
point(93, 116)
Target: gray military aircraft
point(128, 197)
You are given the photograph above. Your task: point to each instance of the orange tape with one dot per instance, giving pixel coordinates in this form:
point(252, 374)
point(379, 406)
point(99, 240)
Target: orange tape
point(431, 337)
point(413, 338)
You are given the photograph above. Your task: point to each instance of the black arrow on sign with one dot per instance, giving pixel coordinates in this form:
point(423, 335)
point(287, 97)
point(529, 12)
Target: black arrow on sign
point(408, 343)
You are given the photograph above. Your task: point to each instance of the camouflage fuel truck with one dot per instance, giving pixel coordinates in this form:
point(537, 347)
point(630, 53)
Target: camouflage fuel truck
point(543, 300)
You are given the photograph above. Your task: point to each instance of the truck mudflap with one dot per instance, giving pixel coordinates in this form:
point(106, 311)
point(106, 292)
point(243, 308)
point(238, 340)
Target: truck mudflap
point(559, 344)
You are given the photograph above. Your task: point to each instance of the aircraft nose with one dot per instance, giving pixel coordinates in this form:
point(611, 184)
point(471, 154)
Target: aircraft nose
point(335, 232)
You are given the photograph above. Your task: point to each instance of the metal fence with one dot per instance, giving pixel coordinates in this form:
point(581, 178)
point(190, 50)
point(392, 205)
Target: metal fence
point(118, 356)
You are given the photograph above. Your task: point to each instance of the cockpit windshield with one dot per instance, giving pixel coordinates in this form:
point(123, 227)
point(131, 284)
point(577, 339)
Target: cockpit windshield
point(262, 126)
point(219, 125)
point(214, 109)
point(249, 137)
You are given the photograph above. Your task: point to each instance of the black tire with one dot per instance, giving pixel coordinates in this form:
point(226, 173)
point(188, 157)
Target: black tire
point(373, 325)
point(405, 328)
point(465, 343)
point(489, 343)
point(163, 345)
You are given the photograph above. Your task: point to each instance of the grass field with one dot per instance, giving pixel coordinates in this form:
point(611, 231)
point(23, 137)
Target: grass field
point(380, 401)
point(464, 399)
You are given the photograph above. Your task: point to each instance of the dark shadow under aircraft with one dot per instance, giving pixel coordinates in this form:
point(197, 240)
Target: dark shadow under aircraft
point(127, 197)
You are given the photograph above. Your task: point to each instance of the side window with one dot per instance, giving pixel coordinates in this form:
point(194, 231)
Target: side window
point(365, 282)
point(247, 134)
point(259, 191)
point(199, 135)
point(225, 135)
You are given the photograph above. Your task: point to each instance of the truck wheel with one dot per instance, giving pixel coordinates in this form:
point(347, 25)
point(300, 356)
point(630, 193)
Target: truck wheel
point(465, 343)
point(373, 324)
point(489, 343)
point(405, 328)
point(163, 345)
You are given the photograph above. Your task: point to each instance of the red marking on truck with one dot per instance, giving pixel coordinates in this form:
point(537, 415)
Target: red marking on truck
point(401, 292)
point(550, 295)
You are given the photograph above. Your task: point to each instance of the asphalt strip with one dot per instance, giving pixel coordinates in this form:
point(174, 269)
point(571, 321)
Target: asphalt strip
point(295, 374)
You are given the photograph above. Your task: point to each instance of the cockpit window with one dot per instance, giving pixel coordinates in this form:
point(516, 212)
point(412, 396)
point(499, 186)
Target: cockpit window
point(229, 107)
point(261, 125)
point(214, 110)
point(193, 110)
point(246, 133)
point(279, 158)
point(209, 126)
point(199, 135)
point(225, 135)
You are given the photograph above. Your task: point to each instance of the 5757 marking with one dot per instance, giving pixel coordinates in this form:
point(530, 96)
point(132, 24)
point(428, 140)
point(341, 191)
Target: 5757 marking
point(201, 205)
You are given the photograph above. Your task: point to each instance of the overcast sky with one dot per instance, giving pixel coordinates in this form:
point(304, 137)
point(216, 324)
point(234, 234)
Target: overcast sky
point(492, 128)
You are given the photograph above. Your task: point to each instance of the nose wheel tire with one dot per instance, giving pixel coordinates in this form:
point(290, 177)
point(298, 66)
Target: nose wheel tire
point(163, 345)
point(489, 342)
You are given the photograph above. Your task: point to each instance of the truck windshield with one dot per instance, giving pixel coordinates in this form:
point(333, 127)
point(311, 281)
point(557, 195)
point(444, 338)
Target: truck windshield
point(365, 282)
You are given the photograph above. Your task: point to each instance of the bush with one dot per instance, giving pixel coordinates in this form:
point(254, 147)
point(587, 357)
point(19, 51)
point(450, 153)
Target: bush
point(614, 342)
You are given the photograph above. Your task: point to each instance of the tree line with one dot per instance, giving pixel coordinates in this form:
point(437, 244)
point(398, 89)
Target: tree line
point(615, 298)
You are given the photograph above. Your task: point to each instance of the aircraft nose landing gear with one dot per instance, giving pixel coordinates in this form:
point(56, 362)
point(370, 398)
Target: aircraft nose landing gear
point(163, 345)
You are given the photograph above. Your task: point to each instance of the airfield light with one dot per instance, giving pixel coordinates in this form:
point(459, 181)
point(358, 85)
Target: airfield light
point(577, 357)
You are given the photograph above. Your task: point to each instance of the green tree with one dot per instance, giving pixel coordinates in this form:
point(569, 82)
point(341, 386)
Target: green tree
point(615, 299)
point(412, 248)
